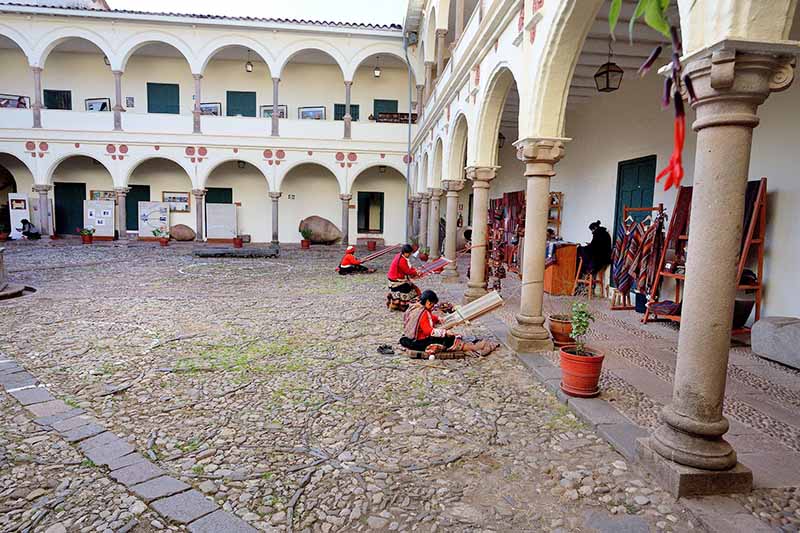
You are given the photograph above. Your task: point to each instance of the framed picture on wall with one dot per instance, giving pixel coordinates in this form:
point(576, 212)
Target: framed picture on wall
point(178, 201)
point(266, 111)
point(98, 104)
point(211, 108)
point(311, 113)
point(102, 195)
point(15, 100)
point(129, 102)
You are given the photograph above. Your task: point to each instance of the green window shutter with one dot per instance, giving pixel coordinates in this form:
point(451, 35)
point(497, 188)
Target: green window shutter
point(338, 111)
point(383, 106)
point(163, 98)
point(241, 103)
point(219, 195)
point(57, 99)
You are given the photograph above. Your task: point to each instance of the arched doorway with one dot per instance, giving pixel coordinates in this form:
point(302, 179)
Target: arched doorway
point(75, 179)
point(14, 178)
point(308, 189)
point(153, 180)
point(247, 187)
point(378, 193)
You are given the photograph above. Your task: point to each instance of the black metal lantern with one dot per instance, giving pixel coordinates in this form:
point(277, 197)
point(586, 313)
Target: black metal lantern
point(609, 76)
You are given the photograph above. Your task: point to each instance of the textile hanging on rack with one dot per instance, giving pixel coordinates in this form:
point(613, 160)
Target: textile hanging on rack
point(627, 274)
point(619, 252)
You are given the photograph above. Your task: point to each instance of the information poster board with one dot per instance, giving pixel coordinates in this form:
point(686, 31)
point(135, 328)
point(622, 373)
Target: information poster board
point(19, 208)
point(36, 216)
point(99, 214)
point(221, 221)
point(152, 216)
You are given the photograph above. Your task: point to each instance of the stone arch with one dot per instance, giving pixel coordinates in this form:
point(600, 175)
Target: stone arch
point(435, 179)
point(135, 42)
point(381, 217)
point(20, 40)
point(376, 164)
point(78, 153)
point(422, 179)
point(203, 177)
point(136, 163)
point(233, 40)
point(429, 36)
point(376, 49)
point(15, 176)
point(296, 47)
point(282, 176)
point(52, 39)
point(457, 148)
point(491, 111)
point(309, 188)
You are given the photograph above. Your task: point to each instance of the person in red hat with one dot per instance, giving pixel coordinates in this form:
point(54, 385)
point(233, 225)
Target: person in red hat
point(351, 265)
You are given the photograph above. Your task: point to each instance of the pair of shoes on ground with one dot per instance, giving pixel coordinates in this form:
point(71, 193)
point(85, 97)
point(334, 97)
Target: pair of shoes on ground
point(385, 349)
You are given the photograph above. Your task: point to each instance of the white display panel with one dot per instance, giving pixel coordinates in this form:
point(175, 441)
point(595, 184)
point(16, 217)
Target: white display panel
point(221, 221)
point(99, 214)
point(19, 206)
point(153, 215)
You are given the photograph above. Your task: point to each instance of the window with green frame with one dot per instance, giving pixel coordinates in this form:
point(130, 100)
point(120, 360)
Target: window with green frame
point(383, 106)
point(54, 99)
point(338, 111)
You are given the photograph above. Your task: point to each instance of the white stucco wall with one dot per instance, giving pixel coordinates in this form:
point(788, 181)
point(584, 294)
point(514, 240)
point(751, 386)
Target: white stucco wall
point(392, 184)
point(307, 190)
point(250, 190)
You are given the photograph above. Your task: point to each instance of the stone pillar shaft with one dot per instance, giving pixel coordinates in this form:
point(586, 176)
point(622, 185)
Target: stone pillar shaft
point(196, 112)
point(424, 211)
point(730, 86)
point(348, 118)
point(415, 201)
point(440, 36)
point(481, 177)
point(122, 212)
point(428, 80)
point(433, 223)
point(450, 273)
point(275, 113)
point(409, 219)
point(118, 109)
point(37, 97)
point(420, 100)
point(459, 19)
point(345, 198)
point(275, 197)
point(540, 157)
point(199, 204)
point(44, 208)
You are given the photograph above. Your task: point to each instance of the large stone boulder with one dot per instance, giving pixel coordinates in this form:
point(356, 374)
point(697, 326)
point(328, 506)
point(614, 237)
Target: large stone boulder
point(323, 231)
point(182, 232)
point(777, 338)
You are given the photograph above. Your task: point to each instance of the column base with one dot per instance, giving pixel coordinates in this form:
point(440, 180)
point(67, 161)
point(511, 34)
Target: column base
point(450, 276)
point(686, 481)
point(529, 335)
point(691, 443)
point(473, 293)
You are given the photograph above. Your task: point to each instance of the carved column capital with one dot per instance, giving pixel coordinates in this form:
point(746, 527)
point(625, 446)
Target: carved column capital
point(121, 191)
point(42, 189)
point(197, 76)
point(435, 193)
point(199, 193)
point(453, 186)
point(540, 155)
point(345, 197)
point(275, 196)
point(481, 175)
point(441, 33)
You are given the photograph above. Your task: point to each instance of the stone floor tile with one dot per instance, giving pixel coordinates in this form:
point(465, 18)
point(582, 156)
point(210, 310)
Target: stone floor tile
point(184, 507)
point(136, 473)
point(219, 521)
point(66, 424)
point(32, 396)
point(125, 460)
point(17, 380)
point(51, 408)
point(646, 382)
point(773, 469)
point(59, 417)
point(623, 437)
point(103, 455)
point(595, 411)
point(83, 432)
point(99, 440)
point(605, 523)
point(159, 487)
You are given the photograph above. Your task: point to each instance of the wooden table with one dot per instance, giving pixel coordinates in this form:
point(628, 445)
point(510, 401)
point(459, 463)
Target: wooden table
point(559, 277)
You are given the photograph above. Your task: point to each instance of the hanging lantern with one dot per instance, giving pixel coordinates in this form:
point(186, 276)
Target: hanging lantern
point(609, 76)
point(248, 67)
point(377, 71)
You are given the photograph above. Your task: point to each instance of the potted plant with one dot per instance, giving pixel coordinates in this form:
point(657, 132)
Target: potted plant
point(423, 254)
point(580, 366)
point(560, 325)
point(87, 235)
point(3, 233)
point(237, 241)
point(306, 242)
point(414, 243)
point(371, 245)
point(162, 236)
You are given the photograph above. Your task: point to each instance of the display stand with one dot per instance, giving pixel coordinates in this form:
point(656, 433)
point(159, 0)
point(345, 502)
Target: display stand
point(624, 302)
point(555, 212)
point(754, 227)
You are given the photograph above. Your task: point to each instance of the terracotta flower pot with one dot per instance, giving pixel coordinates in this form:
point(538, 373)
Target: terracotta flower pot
point(163, 241)
point(560, 328)
point(423, 258)
point(305, 244)
point(414, 247)
point(580, 374)
point(371, 245)
point(237, 242)
point(87, 239)
point(4, 236)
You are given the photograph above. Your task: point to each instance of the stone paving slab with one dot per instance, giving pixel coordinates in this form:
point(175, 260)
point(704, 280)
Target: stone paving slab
point(219, 521)
point(66, 424)
point(623, 437)
point(125, 460)
point(184, 507)
point(606, 523)
point(99, 440)
point(58, 417)
point(104, 455)
point(160, 487)
point(646, 381)
point(772, 469)
point(594, 411)
point(83, 432)
point(136, 473)
point(48, 408)
point(17, 380)
point(32, 396)
point(723, 515)
point(10, 368)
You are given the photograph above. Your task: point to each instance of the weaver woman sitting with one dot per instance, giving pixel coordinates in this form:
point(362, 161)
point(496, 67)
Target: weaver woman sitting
point(401, 291)
point(351, 265)
point(423, 331)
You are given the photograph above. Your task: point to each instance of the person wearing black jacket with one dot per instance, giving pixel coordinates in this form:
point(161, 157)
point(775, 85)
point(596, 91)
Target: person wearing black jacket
point(597, 254)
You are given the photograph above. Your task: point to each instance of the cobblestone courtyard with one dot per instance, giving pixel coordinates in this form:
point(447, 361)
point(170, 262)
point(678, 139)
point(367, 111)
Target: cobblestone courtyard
point(257, 383)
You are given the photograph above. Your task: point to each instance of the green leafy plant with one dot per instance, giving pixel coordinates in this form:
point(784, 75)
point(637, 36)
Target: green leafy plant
point(160, 233)
point(654, 12)
point(86, 231)
point(306, 233)
point(581, 320)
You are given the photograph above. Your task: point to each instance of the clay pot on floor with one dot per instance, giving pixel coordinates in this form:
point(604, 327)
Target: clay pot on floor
point(371, 245)
point(4, 236)
point(423, 257)
point(163, 241)
point(305, 244)
point(580, 374)
point(560, 328)
point(237, 242)
point(87, 239)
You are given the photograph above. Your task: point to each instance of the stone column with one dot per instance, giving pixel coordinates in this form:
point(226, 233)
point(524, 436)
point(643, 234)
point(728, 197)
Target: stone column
point(410, 219)
point(199, 197)
point(196, 113)
point(415, 201)
point(540, 157)
point(275, 113)
point(44, 208)
point(433, 222)
point(459, 19)
point(424, 211)
point(122, 212)
point(275, 197)
point(348, 119)
point(481, 178)
point(118, 109)
point(37, 97)
point(450, 274)
point(428, 80)
point(420, 100)
point(730, 86)
point(440, 35)
point(345, 198)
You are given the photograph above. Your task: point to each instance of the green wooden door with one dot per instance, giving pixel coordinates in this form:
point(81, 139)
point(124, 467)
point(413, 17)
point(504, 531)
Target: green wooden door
point(383, 106)
point(68, 213)
point(138, 193)
point(163, 98)
point(219, 195)
point(240, 103)
point(636, 181)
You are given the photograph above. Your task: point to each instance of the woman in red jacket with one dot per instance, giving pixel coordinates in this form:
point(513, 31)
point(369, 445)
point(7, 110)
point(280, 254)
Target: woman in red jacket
point(351, 265)
point(401, 290)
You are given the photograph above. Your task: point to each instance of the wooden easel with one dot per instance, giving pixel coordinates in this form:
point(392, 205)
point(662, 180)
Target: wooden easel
point(754, 233)
point(625, 299)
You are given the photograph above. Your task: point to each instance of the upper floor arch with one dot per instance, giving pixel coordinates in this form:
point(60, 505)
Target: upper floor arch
point(139, 40)
point(366, 54)
point(226, 42)
point(314, 51)
point(51, 40)
point(457, 149)
point(16, 39)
